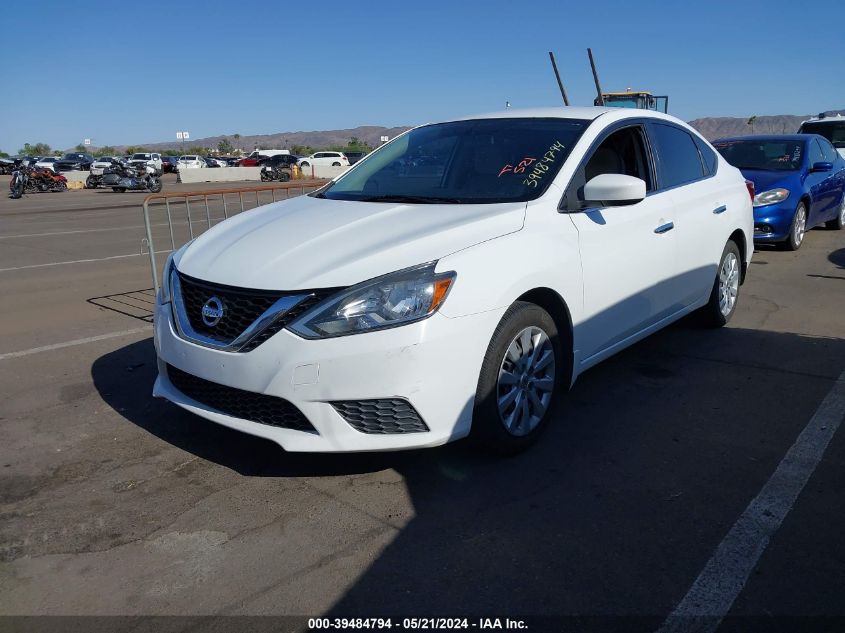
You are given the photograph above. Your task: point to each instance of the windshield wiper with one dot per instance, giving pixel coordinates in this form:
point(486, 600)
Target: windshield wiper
point(411, 199)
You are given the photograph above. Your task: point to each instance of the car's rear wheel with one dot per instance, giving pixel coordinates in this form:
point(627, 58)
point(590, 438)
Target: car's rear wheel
point(797, 229)
point(305, 165)
point(838, 223)
point(335, 164)
point(518, 380)
point(725, 293)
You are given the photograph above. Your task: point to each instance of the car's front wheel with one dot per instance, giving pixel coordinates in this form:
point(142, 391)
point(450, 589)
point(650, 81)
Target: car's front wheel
point(798, 229)
point(838, 223)
point(519, 376)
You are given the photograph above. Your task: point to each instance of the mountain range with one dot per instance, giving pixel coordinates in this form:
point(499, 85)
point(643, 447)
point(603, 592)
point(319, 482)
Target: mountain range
point(716, 127)
point(710, 128)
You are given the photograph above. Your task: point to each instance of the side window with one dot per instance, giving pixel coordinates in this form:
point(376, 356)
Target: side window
point(815, 151)
point(622, 152)
point(708, 156)
point(678, 160)
point(827, 150)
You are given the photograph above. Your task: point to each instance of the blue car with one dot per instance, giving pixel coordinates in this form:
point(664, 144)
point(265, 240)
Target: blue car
point(799, 181)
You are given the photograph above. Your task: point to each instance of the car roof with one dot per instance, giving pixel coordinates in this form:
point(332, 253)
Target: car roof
point(828, 119)
point(569, 112)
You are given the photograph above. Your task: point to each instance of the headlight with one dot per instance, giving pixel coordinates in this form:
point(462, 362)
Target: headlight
point(770, 197)
point(169, 267)
point(396, 299)
point(164, 297)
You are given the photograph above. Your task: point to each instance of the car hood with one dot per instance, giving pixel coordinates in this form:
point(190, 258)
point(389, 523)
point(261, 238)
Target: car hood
point(765, 179)
point(312, 242)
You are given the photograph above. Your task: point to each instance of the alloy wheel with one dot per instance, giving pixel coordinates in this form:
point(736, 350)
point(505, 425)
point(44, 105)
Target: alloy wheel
point(728, 283)
point(526, 381)
point(799, 226)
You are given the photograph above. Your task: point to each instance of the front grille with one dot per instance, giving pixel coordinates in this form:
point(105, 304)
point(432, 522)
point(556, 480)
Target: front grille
point(247, 405)
point(241, 307)
point(382, 416)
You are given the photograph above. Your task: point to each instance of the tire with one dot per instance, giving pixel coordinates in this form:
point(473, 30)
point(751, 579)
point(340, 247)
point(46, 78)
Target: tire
point(506, 416)
point(335, 164)
point(838, 223)
point(91, 182)
point(797, 229)
point(305, 165)
point(284, 176)
point(17, 190)
point(725, 293)
point(155, 185)
point(119, 189)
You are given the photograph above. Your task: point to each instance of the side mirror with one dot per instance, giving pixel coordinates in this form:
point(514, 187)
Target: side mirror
point(614, 190)
point(821, 167)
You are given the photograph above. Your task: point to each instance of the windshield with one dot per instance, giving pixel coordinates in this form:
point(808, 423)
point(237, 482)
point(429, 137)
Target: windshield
point(478, 161)
point(141, 156)
point(73, 156)
point(774, 155)
point(833, 132)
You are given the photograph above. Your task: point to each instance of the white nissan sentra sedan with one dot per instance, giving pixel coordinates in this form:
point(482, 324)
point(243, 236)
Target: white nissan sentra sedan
point(453, 282)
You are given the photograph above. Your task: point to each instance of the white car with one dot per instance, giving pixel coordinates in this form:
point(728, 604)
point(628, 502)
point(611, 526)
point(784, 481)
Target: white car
point(830, 127)
point(150, 159)
point(102, 163)
point(455, 282)
point(190, 161)
point(48, 162)
point(334, 159)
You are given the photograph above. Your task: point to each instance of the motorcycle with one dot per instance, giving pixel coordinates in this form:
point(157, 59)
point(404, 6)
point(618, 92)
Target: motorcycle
point(271, 172)
point(46, 180)
point(130, 178)
point(21, 183)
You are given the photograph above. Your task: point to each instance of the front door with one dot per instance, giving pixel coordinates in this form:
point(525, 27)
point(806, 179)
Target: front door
point(627, 252)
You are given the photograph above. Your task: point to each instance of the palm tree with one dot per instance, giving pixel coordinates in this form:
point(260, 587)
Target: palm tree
point(237, 138)
point(751, 122)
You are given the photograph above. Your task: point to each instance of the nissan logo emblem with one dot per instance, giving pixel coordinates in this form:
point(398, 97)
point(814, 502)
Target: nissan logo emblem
point(212, 311)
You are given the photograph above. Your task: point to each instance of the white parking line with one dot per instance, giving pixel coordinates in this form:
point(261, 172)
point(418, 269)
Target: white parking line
point(77, 261)
point(725, 574)
point(79, 341)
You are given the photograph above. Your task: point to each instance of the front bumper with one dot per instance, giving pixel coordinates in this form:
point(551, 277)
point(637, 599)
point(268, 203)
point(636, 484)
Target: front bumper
point(433, 364)
point(773, 221)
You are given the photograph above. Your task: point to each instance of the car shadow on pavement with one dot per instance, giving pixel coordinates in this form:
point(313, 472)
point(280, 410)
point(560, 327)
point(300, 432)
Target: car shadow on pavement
point(648, 462)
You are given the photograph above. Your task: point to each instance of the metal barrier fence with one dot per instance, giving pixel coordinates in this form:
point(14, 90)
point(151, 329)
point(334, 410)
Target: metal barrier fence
point(213, 206)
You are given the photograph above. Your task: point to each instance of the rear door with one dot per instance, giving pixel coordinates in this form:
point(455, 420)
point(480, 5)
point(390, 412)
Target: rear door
point(700, 203)
point(627, 252)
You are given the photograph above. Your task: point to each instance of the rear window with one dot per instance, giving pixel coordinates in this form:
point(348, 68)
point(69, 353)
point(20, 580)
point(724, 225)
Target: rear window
point(832, 131)
point(707, 155)
point(679, 161)
point(141, 156)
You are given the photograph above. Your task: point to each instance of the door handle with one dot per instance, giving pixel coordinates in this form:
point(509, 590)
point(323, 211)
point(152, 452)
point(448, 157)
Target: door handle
point(721, 209)
point(663, 228)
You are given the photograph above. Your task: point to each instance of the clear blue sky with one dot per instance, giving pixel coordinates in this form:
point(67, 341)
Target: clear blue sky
point(109, 72)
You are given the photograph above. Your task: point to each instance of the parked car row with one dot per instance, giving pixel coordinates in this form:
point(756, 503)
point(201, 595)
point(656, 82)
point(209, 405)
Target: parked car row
point(799, 179)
